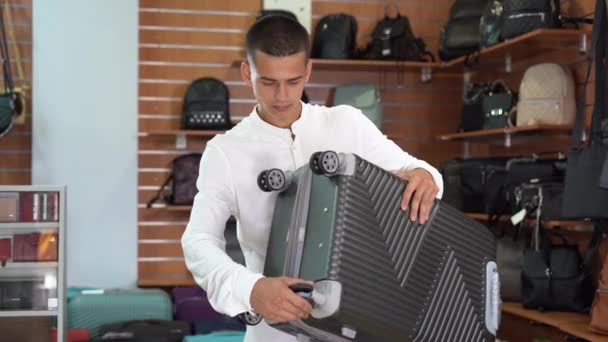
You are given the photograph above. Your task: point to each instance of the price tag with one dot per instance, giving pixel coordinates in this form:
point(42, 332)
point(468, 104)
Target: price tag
point(518, 217)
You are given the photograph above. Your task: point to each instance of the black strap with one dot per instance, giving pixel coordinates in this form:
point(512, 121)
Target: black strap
point(599, 108)
point(597, 52)
point(6, 68)
point(159, 194)
point(598, 234)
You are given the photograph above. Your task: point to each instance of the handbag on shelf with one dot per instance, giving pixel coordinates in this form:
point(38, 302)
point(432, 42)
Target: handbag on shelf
point(498, 106)
point(555, 277)
point(180, 186)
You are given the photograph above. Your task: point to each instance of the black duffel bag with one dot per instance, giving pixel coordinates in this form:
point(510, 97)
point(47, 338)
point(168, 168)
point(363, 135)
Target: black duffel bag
point(465, 181)
point(523, 16)
point(149, 330)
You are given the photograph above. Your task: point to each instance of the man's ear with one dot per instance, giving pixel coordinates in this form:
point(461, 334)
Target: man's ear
point(246, 73)
point(308, 69)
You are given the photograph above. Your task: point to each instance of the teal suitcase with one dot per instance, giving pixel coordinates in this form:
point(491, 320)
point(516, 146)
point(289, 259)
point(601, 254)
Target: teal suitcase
point(363, 96)
point(92, 310)
point(378, 275)
point(221, 336)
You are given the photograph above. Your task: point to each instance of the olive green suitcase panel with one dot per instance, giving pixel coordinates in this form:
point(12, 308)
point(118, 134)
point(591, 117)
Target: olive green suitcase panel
point(395, 280)
point(320, 220)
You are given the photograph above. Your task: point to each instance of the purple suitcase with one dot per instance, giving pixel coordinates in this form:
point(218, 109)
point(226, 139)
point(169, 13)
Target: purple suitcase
point(191, 305)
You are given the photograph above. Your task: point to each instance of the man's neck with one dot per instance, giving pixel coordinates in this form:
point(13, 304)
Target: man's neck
point(284, 121)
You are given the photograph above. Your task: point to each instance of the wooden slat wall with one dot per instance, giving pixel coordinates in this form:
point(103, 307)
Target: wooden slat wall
point(569, 58)
point(184, 40)
point(15, 147)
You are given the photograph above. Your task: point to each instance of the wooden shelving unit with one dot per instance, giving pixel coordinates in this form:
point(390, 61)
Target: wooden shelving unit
point(570, 225)
point(505, 135)
point(191, 132)
point(525, 46)
point(572, 323)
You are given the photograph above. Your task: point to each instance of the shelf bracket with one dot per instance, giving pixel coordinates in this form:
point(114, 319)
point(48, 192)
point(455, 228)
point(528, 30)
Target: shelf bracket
point(466, 150)
point(507, 139)
point(582, 43)
point(426, 74)
point(180, 141)
point(508, 63)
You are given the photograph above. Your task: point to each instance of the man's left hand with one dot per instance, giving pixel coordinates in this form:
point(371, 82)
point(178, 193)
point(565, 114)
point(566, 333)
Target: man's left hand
point(421, 190)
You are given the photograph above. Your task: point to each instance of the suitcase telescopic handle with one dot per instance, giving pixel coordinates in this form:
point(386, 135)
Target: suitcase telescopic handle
point(305, 291)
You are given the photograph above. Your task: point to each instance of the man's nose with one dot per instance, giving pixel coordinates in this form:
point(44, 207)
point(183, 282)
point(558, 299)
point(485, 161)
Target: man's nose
point(281, 92)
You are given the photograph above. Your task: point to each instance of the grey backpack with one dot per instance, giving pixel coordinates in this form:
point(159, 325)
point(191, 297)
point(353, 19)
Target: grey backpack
point(363, 96)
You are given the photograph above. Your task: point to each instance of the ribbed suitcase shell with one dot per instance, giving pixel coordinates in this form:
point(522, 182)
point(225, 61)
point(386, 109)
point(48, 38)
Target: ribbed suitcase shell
point(401, 281)
point(90, 311)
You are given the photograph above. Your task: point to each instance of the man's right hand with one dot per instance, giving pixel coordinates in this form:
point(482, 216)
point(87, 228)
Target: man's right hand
point(275, 301)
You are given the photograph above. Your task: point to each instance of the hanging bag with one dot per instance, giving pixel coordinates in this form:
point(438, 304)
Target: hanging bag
point(11, 104)
point(586, 194)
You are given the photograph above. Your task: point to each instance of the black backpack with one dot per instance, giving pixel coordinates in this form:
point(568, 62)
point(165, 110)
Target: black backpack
point(335, 37)
point(461, 35)
point(393, 39)
point(523, 16)
point(206, 105)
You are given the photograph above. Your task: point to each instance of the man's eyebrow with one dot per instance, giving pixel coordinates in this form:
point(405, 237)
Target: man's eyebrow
point(263, 78)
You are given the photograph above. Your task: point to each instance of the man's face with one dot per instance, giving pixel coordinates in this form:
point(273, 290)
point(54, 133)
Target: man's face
point(278, 83)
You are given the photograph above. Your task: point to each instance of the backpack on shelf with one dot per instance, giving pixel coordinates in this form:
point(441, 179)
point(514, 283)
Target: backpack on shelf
point(335, 37)
point(523, 16)
point(393, 39)
point(206, 105)
point(461, 34)
point(546, 96)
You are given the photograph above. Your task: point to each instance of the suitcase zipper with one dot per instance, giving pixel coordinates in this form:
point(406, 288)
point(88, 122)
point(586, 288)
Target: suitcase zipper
point(524, 15)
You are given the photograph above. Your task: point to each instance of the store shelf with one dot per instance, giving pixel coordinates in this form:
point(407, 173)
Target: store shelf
point(573, 323)
point(179, 207)
point(570, 225)
point(506, 135)
point(27, 270)
point(369, 65)
point(373, 65)
point(28, 225)
point(28, 313)
point(156, 282)
point(188, 132)
point(525, 46)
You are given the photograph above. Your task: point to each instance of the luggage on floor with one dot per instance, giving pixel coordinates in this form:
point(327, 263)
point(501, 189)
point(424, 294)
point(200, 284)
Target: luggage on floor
point(92, 310)
point(378, 275)
point(222, 336)
point(191, 304)
point(224, 324)
point(146, 330)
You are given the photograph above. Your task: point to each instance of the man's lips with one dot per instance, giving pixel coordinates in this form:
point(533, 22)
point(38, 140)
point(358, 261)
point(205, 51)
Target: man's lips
point(281, 108)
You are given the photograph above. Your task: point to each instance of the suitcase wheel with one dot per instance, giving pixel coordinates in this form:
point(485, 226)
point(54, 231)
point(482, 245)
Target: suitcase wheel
point(271, 180)
point(249, 318)
point(324, 163)
point(314, 163)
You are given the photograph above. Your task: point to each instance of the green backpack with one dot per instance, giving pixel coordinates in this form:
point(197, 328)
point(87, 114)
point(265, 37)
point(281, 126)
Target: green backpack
point(363, 96)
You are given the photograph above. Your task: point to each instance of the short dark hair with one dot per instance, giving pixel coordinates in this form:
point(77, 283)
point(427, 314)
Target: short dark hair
point(277, 35)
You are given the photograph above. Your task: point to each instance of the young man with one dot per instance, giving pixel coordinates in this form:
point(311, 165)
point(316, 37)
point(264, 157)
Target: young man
point(281, 132)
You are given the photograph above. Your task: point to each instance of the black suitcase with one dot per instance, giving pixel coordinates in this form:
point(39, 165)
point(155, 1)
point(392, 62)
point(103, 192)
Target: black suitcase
point(379, 276)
